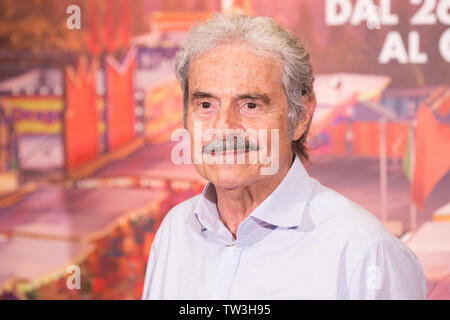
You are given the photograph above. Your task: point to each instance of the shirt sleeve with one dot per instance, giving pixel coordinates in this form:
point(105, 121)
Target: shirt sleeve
point(387, 270)
point(151, 265)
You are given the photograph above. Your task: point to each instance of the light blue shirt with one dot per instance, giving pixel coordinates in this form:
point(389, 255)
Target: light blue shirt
point(304, 241)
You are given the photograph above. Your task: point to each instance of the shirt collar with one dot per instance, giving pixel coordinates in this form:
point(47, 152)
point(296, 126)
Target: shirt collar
point(284, 207)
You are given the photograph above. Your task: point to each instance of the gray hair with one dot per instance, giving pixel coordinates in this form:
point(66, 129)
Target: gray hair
point(264, 36)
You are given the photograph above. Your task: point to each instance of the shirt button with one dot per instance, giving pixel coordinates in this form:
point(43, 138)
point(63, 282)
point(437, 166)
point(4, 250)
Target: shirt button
point(232, 246)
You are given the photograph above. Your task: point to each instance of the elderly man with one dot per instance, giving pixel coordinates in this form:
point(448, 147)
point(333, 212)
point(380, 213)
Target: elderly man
point(256, 232)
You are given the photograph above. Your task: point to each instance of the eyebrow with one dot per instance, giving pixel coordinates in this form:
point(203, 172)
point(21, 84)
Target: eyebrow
point(252, 96)
point(201, 94)
point(256, 96)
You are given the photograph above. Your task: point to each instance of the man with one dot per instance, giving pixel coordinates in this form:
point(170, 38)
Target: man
point(257, 232)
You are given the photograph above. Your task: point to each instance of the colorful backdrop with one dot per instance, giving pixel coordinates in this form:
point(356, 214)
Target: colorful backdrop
point(89, 100)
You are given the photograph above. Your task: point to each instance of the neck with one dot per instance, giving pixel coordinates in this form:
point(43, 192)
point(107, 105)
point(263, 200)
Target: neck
point(235, 205)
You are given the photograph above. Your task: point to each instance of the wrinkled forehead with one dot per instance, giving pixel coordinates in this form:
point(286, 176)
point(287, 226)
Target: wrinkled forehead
point(235, 67)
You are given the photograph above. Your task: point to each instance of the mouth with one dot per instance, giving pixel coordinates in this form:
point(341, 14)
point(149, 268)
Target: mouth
point(236, 149)
point(232, 151)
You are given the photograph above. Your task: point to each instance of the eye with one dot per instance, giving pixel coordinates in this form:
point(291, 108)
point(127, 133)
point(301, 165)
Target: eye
point(250, 108)
point(251, 105)
point(205, 105)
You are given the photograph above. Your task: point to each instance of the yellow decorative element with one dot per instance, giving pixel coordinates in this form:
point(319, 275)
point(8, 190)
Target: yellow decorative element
point(9, 182)
point(38, 127)
point(373, 94)
point(35, 103)
point(101, 127)
point(442, 214)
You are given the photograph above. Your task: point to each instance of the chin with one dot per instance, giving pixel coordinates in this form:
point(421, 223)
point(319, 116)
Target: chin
point(229, 176)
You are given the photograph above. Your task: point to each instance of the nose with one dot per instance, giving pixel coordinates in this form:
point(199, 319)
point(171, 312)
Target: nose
point(227, 118)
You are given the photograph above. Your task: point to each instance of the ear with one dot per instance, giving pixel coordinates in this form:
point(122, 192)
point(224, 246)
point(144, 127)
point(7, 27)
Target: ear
point(310, 105)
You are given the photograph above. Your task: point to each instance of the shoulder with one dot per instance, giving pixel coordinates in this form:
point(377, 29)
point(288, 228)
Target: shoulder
point(183, 208)
point(181, 214)
point(360, 235)
point(329, 208)
point(173, 225)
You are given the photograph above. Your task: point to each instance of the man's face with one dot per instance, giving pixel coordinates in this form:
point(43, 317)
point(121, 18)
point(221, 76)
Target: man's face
point(231, 87)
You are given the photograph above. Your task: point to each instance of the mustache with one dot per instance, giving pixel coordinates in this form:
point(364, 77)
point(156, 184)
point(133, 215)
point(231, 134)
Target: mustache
point(232, 142)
